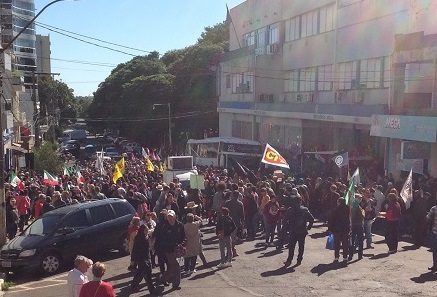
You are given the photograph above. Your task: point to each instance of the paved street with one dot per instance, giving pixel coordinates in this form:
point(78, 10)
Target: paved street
point(259, 272)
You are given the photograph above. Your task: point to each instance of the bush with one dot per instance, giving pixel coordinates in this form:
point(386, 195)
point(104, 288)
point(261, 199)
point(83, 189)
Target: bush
point(47, 159)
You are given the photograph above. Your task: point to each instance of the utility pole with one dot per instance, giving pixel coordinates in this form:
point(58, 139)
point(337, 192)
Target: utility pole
point(2, 151)
point(35, 109)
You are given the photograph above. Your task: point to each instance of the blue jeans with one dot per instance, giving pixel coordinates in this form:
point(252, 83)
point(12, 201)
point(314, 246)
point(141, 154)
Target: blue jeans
point(356, 241)
point(368, 232)
point(434, 248)
point(226, 243)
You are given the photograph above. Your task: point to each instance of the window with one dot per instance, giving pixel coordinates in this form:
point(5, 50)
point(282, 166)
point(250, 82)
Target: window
point(121, 209)
point(292, 29)
point(386, 73)
point(76, 220)
point(228, 81)
point(370, 73)
point(242, 82)
point(309, 24)
point(291, 81)
point(249, 39)
point(307, 79)
point(100, 214)
point(327, 18)
point(347, 73)
point(324, 80)
point(274, 33)
point(261, 37)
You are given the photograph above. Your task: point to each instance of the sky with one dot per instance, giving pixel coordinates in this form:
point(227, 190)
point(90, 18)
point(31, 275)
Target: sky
point(146, 25)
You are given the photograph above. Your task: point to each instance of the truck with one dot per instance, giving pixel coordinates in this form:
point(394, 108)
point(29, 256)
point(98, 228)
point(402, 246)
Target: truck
point(78, 134)
point(180, 167)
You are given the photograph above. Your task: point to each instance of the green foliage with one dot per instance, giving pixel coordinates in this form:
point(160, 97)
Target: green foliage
point(186, 78)
point(46, 158)
point(7, 285)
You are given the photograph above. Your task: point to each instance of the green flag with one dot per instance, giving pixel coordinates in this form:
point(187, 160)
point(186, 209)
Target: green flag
point(350, 194)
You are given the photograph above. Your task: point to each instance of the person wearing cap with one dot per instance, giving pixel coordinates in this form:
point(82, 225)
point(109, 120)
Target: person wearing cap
point(171, 236)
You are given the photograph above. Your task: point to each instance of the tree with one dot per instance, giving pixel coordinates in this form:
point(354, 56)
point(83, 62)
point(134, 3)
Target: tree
point(46, 158)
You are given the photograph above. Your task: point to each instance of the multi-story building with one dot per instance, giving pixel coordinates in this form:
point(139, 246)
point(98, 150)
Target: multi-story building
point(43, 61)
point(324, 75)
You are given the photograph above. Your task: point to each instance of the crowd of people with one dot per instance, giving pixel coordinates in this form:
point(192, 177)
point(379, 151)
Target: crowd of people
point(278, 209)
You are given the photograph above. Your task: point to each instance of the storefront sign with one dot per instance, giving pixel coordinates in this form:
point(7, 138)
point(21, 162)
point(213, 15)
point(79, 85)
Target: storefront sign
point(404, 127)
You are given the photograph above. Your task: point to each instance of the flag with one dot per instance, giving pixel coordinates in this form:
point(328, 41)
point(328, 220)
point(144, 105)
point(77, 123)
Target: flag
point(355, 178)
point(16, 182)
point(350, 194)
point(407, 190)
point(144, 154)
point(348, 175)
point(272, 157)
point(66, 171)
point(161, 168)
point(341, 160)
point(49, 179)
point(149, 165)
point(237, 167)
point(80, 178)
point(320, 158)
point(118, 170)
point(99, 164)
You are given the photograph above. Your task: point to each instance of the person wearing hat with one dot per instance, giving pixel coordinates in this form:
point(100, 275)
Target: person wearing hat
point(170, 237)
point(192, 233)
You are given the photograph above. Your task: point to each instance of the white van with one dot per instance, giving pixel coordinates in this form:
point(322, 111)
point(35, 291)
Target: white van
point(73, 135)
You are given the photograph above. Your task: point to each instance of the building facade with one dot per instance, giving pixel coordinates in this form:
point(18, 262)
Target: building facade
point(313, 75)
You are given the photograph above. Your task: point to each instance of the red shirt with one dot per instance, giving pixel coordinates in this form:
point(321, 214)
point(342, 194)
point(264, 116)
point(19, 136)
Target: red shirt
point(97, 289)
point(393, 212)
point(23, 204)
point(38, 207)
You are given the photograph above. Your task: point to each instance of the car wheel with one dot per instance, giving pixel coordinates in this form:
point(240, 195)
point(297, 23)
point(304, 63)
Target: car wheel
point(51, 263)
point(124, 246)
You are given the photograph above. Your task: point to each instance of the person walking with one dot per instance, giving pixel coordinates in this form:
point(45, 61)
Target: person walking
point(298, 220)
point(224, 227)
point(12, 219)
point(357, 226)
point(97, 287)
point(141, 256)
point(392, 214)
point(339, 225)
point(193, 246)
point(171, 236)
point(368, 203)
point(236, 212)
point(271, 217)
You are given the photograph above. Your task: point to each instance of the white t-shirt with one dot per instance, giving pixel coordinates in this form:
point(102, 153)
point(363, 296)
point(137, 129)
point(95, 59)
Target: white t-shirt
point(75, 281)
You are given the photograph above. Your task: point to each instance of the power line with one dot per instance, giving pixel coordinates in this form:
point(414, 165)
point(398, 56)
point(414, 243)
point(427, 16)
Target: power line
point(92, 38)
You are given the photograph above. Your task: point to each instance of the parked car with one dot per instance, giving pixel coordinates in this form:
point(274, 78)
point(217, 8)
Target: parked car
point(70, 146)
point(132, 147)
point(90, 151)
point(70, 134)
point(111, 151)
point(62, 234)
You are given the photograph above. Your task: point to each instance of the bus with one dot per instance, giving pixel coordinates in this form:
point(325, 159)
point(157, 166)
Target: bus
point(216, 151)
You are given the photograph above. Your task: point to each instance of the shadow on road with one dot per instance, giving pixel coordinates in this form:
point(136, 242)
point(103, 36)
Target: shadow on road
point(425, 277)
point(322, 268)
point(319, 235)
point(271, 253)
point(379, 256)
point(280, 271)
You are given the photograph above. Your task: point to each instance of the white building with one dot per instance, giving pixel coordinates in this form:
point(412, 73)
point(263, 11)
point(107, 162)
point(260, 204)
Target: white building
point(309, 75)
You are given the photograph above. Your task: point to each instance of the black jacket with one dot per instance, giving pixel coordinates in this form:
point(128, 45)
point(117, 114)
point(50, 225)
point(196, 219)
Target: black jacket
point(168, 237)
point(226, 224)
point(298, 220)
point(140, 250)
point(339, 221)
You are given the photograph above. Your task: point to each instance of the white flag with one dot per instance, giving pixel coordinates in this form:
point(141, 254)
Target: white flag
point(407, 190)
point(355, 178)
point(99, 163)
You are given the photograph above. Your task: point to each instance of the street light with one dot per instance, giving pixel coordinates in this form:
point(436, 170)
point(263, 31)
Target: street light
point(2, 171)
point(169, 120)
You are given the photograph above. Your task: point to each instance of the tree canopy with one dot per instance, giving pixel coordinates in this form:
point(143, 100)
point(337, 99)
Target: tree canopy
point(185, 78)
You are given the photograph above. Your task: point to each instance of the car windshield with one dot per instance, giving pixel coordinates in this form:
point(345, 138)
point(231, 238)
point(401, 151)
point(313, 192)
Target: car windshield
point(43, 226)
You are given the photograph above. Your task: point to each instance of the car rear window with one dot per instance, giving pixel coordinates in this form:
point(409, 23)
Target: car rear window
point(100, 214)
point(121, 209)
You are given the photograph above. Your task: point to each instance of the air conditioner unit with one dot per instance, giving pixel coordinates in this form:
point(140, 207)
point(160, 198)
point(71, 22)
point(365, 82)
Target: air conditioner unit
point(273, 48)
point(180, 163)
point(246, 88)
point(260, 51)
point(304, 97)
point(358, 96)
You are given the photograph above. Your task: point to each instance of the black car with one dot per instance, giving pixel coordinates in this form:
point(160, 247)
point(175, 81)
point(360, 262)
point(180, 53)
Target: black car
point(62, 234)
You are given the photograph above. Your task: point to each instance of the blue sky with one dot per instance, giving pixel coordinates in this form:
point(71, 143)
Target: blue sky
point(147, 25)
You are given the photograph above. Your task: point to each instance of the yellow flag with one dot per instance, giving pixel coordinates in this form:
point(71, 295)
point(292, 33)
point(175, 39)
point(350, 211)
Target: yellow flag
point(120, 165)
point(150, 166)
point(117, 174)
point(161, 167)
point(164, 167)
point(118, 170)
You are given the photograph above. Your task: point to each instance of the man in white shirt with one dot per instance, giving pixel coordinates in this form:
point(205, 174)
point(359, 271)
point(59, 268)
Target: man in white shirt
point(76, 277)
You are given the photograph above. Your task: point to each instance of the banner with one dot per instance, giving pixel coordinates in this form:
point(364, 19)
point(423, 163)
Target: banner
point(272, 157)
point(407, 190)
